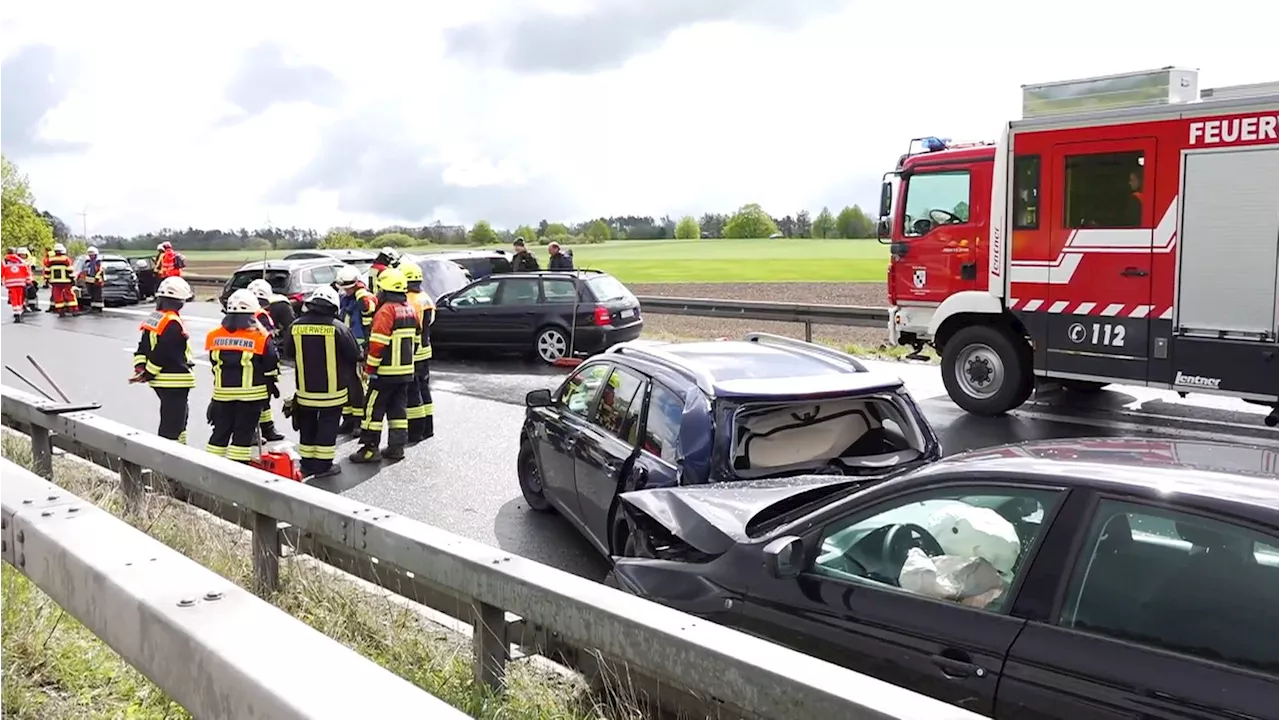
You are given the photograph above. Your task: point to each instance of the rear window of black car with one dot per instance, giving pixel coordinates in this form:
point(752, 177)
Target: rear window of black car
point(116, 266)
point(279, 279)
point(607, 287)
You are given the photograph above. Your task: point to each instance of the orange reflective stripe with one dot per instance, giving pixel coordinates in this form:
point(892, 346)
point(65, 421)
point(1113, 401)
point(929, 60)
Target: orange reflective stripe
point(239, 341)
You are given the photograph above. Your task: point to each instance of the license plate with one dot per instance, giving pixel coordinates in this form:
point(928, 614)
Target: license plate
point(627, 313)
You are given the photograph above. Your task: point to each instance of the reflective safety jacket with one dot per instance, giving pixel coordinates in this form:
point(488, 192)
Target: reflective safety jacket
point(357, 311)
point(91, 272)
point(16, 272)
point(245, 363)
point(325, 354)
point(58, 270)
point(163, 355)
point(393, 338)
point(426, 308)
point(281, 311)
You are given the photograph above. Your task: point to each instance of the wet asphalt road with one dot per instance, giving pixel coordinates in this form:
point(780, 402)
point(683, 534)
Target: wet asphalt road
point(463, 480)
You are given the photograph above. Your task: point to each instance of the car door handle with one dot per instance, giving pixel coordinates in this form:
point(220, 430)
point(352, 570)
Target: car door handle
point(1133, 272)
point(611, 468)
point(957, 668)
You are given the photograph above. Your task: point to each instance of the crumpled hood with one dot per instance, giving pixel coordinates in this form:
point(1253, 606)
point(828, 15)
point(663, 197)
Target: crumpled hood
point(713, 518)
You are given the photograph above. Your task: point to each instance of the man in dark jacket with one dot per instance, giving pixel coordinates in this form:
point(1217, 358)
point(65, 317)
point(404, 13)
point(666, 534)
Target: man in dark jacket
point(522, 260)
point(559, 259)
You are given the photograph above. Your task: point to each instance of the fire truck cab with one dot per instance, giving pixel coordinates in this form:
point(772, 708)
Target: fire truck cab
point(1125, 230)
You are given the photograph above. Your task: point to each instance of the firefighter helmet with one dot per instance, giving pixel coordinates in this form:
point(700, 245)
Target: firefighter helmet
point(175, 288)
point(92, 250)
point(323, 298)
point(347, 276)
point(242, 301)
point(392, 280)
point(412, 273)
point(260, 288)
point(23, 251)
point(391, 254)
point(59, 248)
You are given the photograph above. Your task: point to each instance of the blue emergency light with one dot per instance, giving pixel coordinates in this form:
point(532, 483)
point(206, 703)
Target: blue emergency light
point(933, 144)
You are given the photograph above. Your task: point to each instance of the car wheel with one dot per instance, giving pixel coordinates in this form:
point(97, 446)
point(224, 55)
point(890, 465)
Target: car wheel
point(531, 478)
point(550, 344)
point(987, 370)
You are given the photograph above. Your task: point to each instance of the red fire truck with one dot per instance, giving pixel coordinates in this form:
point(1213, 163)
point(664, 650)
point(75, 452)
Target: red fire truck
point(1124, 231)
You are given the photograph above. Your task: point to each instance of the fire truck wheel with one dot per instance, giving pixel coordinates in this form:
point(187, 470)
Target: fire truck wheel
point(986, 370)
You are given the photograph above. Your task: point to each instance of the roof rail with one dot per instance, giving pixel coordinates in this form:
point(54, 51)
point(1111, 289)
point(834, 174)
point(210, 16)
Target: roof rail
point(813, 348)
point(704, 380)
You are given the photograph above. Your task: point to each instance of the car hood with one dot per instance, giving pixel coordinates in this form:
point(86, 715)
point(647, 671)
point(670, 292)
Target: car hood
point(713, 518)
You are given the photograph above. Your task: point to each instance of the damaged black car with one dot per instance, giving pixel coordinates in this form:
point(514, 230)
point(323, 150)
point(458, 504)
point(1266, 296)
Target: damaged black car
point(646, 416)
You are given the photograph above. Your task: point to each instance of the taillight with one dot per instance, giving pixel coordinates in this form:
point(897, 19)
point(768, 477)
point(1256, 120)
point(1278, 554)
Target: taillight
point(296, 297)
point(602, 316)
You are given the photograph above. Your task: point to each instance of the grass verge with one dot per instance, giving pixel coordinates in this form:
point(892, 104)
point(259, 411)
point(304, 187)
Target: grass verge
point(55, 669)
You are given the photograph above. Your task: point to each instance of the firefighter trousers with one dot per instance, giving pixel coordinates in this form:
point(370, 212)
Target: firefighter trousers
point(386, 401)
point(353, 411)
point(420, 409)
point(317, 436)
point(95, 297)
point(235, 428)
point(265, 417)
point(64, 298)
point(174, 412)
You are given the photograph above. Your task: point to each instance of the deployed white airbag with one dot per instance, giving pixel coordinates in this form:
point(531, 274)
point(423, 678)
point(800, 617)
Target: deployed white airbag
point(969, 531)
point(968, 580)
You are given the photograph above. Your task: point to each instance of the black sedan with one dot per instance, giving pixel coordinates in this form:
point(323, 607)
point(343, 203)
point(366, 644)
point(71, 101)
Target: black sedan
point(120, 281)
point(1116, 578)
point(549, 315)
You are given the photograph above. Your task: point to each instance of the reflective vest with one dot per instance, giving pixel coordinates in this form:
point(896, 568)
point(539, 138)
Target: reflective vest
point(358, 310)
point(59, 270)
point(426, 315)
point(392, 341)
point(315, 353)
point(92, 271)
point(163, 351)
point(243, 361)
point(16, 272)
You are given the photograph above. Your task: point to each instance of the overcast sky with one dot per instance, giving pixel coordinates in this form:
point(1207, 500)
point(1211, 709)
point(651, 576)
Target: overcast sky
point(153, 114)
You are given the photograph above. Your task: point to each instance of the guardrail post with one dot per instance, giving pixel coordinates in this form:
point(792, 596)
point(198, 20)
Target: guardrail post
point(131, 485)
point(490, 647)
point(266, 554)
point(808, 331)
point(42, 451)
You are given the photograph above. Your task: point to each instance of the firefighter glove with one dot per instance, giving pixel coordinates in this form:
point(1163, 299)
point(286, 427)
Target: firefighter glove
point(208, 413)
point(273, 389)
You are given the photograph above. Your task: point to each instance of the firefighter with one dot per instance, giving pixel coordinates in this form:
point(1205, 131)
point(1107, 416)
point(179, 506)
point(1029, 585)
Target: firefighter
point(276, 312)
point(59, 278)
point(421, 410)
point(163, 358)
point(17, 276)
point(387, 257)
point(44, 277)
point(168, 262)
point(325, 355)
point(261, 291)
point(33, 276)
point(94, 278)
point(245, 369)
point(389, 367)
point(356, 309)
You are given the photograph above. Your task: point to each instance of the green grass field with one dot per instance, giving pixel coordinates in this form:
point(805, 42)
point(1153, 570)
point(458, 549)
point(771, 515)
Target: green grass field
point(682, 261)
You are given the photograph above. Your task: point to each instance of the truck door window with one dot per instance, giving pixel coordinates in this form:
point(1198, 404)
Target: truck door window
point(1026, 192)
point(939, 198)
point(1103, 190)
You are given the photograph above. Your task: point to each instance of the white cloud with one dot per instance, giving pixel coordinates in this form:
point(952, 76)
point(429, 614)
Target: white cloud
point(713, 104)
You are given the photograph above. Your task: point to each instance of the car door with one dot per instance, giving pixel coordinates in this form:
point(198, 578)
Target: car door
point(607, 450)
point(464, 319)
point(513, 317)
point(866, 601)
point(561, 431)
point(1165, 614)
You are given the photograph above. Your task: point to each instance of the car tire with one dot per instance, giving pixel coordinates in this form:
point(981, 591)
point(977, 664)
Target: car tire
point(987, 370)
point(550, 344)
point(531, 478)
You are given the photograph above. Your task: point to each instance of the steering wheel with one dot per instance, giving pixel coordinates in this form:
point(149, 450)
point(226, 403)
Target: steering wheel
point(921, 226)
point(946, 217)
point(899, 540)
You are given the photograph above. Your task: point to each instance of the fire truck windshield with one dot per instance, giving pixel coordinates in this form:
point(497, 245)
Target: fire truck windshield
point(935, 198)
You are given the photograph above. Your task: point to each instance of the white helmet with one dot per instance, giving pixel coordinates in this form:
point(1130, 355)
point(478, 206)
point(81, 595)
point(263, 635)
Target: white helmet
point(59, 248)
point(92, 250)
point(348, 275)
point(160, 246)
point(23, 251)
point(323, 296)
point(174, 287)
point(260, 288)
point(242, 301)
point(392, 254)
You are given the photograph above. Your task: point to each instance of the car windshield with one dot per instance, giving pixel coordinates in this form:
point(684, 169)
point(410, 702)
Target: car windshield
point(607, 287)
point(278, 279)
point(850, 435)
point(442, 276)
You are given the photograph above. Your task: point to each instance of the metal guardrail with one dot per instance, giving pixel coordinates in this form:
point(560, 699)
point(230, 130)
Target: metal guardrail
point(207, 643)
point(808, 315)
point(701, 668)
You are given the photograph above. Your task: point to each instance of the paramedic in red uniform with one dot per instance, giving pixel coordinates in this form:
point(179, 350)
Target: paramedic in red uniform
point(17, 276)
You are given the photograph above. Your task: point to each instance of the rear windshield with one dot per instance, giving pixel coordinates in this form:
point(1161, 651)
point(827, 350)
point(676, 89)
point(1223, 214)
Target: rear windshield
point(850, 435)
point(607, 287)
point(116, 266)
point(279, 279)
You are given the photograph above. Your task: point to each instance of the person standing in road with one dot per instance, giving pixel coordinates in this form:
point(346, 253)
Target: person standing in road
point(44, 278)
point(59, 275)
point(387, 257)
point(559, 259)
point(94, 278)
point(245, 369)
point(33, 277)
point(17, 276)
point(275, 315)
point(521, 259)
point(163, 358)
point(325, 355)
point(356, 309)
point(421, 409)
point(389, 367)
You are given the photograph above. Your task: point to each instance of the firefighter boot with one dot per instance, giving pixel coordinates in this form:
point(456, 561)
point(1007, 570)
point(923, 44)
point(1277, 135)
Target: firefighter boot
point(269, 432)
point(393, 452)
point(365, 454)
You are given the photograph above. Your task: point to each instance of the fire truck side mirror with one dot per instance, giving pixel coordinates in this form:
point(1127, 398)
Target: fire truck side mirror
point(886, 199)
point(882, 229)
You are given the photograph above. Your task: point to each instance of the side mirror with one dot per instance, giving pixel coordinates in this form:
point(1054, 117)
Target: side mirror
point(886, 199)
point(784, 557)
point(882, 229)
point(538, 398)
